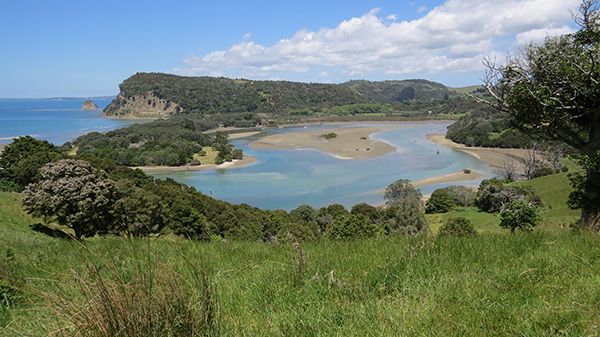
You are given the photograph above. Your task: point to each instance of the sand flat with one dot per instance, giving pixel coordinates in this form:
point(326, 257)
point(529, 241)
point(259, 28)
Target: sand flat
point(350, 143)
point(491, 155)
point(448, 178)
point(247, 160)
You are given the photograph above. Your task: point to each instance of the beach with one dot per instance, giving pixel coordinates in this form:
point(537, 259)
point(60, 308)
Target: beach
point(247, 160)
point(493, 156)
point(349, 142)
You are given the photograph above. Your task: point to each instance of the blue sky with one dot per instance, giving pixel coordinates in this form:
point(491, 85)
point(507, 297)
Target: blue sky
point(86, 48)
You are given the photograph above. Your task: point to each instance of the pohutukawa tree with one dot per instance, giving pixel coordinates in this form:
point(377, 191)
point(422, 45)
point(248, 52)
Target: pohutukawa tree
point(75, 194)
point(553, 90)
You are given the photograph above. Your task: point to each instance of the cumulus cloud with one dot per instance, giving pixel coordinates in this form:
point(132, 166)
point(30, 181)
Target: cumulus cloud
point(451, 38)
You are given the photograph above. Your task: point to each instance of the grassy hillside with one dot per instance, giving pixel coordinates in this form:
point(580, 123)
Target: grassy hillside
point(490, 285)
point(493, 284)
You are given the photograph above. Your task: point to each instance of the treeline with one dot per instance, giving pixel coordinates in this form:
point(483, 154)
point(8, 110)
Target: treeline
point(210, 95)
point(487, 127)
point(93, 196)
point(241, 102)
point(165, 142)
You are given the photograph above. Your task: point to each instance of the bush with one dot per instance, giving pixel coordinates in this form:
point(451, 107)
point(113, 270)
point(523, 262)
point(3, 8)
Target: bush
point(542, 171)
point(520, 215)
point(439, 202)
point(457, 227)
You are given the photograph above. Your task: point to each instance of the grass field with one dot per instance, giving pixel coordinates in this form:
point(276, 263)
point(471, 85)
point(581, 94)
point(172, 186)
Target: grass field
point(545, 283)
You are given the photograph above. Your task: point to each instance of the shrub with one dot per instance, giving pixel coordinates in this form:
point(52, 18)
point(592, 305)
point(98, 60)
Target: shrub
point(518, 214)
point(542, 171)
point(457, 227)
point(439, 202)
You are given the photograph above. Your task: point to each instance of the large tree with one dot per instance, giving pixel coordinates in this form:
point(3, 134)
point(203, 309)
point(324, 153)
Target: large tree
point(75, 194)
point(553, 90)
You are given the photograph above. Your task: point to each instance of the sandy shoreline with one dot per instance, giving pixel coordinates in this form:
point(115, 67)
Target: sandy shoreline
point(349, 143)
point(247, 160)
point(493, 156)
point(448, 178)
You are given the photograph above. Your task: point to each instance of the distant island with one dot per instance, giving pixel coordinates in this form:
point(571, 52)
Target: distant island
point(89, 106)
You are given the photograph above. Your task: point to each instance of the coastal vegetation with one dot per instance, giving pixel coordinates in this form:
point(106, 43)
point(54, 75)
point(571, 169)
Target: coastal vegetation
point(92, 247)
point(246, 103)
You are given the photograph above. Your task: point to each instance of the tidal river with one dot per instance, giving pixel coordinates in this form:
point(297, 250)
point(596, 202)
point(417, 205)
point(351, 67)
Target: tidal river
point(285, 179)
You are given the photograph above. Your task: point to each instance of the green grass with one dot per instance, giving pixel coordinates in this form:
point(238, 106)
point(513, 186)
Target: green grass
point(544, 283)
point(490, 285)
point(210, 156)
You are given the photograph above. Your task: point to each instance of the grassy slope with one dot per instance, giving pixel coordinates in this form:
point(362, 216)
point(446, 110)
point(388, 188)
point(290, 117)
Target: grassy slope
point(545, 283)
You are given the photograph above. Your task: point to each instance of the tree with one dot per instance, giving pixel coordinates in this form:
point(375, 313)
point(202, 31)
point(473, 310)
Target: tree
point(508, 171)
point(518, 214)
point(21, 160)
point(552, 90)
point(350, 227)
point(75, 194)
point(401, 190)
point(439, 202)
point(457, 227)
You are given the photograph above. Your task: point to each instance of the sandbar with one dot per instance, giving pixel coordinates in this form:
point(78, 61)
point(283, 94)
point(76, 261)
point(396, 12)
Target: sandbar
point(448, 178)
point(349, 143)
point(247, 160)
point(493, 156)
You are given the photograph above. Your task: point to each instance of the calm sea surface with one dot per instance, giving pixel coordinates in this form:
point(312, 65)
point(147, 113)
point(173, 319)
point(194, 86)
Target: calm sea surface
point(279, 179)
point(57, 121)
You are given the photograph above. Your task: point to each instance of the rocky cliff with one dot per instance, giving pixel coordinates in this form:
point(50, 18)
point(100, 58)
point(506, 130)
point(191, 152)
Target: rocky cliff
point(89, 106)
point(140, 106)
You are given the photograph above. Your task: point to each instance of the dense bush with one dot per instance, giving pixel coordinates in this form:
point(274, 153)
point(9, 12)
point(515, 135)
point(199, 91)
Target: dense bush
point(457, 227)
point(439, 202)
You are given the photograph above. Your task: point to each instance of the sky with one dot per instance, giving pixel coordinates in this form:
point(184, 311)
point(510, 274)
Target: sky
point(85, 48)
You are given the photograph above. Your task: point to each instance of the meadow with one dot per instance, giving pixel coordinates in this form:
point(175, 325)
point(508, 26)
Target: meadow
point(543, 283)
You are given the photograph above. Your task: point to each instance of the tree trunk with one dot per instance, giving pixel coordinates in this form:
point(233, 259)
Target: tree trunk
point(590, 212)
point(590, 220)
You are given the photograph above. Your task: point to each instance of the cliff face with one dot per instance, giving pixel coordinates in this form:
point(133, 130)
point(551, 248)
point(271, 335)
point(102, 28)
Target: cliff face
point(89, 106)
point(140, 106)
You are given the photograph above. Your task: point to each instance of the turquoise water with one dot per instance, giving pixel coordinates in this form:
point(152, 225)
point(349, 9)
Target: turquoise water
point(57, 121)
point(285, 179)
point(279, 179)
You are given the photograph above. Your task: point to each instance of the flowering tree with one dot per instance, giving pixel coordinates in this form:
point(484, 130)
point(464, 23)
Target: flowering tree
point(74, 194)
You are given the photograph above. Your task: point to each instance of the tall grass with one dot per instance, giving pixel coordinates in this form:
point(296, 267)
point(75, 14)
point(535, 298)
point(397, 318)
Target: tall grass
point(490, 285)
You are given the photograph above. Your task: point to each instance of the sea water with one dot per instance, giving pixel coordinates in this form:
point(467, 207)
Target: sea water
point(278, 179)
point(55, 120)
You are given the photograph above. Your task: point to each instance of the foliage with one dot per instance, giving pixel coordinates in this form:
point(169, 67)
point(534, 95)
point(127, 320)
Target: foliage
point(457, 227)
point(518, 214)
point(171, 142)
point(439, 202)
point(552, 90)
point(74, 193)
point(21, 160)
point(493, 195)
point(487, 128)
point(401, 190)
point(350, 227)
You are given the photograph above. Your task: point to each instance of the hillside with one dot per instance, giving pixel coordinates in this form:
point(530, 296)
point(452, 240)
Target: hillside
point(156, 95)
point(167, 94)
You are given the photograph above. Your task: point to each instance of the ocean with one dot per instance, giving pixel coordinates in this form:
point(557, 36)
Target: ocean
point(55, 120)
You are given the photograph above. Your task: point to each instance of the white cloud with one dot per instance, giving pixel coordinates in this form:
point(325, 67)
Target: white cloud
point(421, 9)
point(247, 36)
point(451, 38)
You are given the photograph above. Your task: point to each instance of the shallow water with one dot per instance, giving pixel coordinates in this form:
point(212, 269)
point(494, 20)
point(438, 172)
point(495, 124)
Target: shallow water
point(285, 179)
